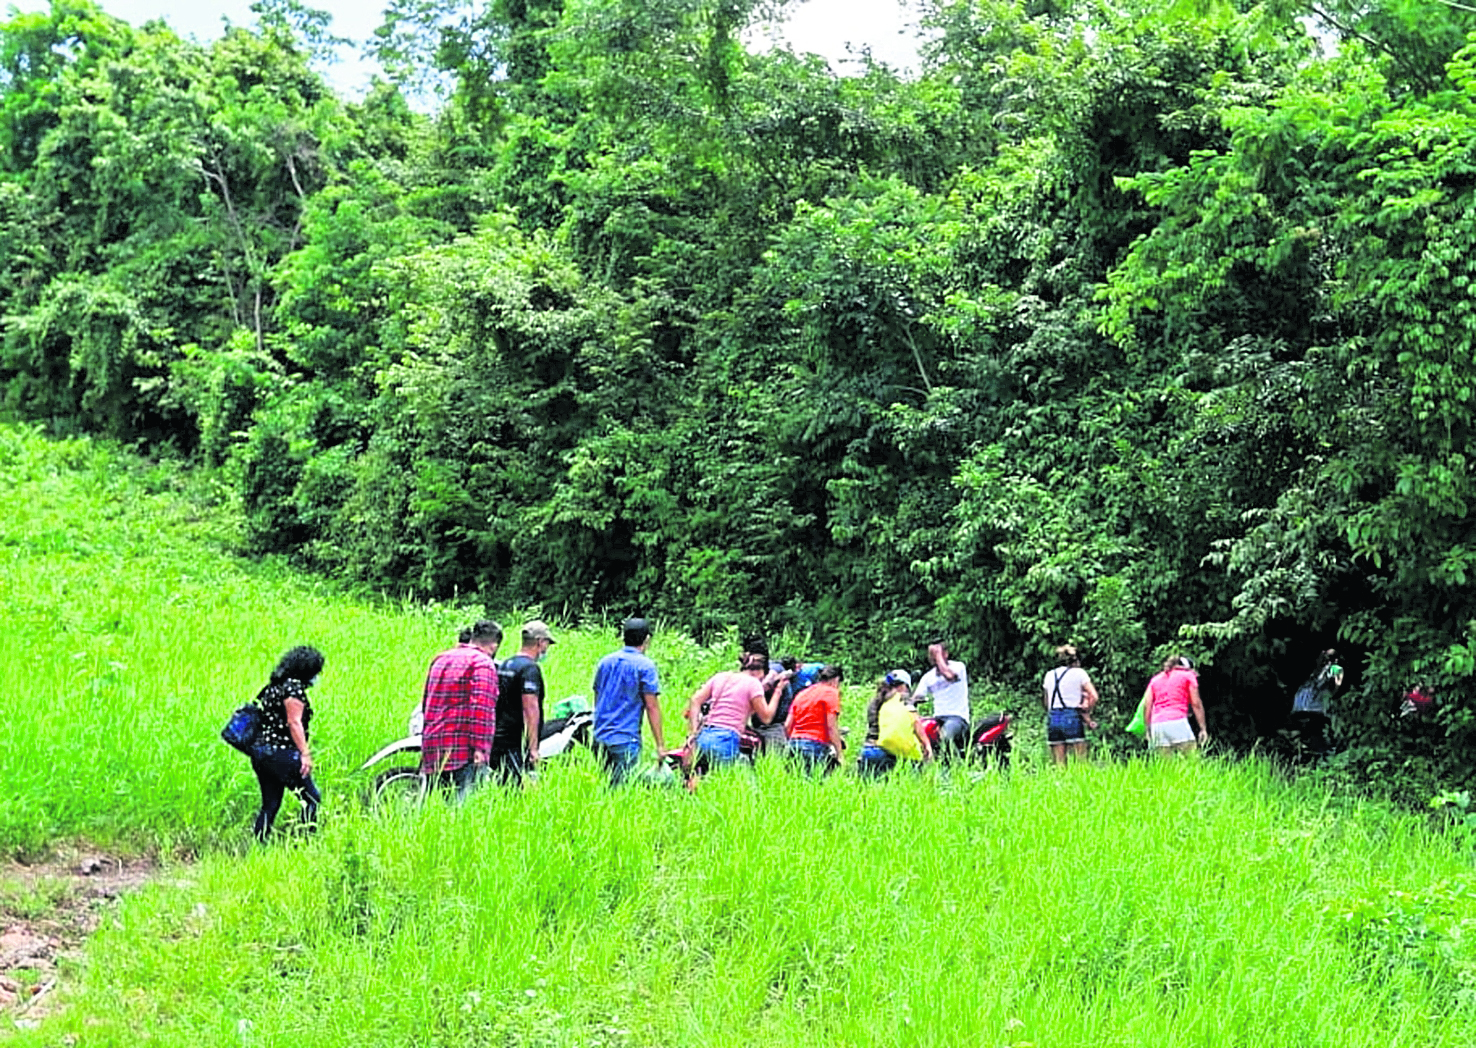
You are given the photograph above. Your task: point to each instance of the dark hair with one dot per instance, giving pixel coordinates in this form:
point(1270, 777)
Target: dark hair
point(464, 637)
point(485, 630)
point(755, 644)
point(788, 662)
point(634, 632)
point(301, 664)
point(1327, 658)
point(830, 671)
point(753, 661)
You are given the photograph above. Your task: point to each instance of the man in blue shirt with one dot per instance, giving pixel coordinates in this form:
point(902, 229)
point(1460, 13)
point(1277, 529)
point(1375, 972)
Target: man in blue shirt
point(626, 683)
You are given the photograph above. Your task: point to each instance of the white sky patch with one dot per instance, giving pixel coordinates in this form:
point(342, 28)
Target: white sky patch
point(838, 30)
point(823, 27)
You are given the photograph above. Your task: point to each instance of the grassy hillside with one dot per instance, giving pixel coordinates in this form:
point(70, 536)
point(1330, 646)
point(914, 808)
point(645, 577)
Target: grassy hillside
point(1160, 903)
point(131, 634)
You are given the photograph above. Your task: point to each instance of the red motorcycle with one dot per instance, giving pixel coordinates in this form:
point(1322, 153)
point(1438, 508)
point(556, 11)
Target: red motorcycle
point(989, 738)
point(685, 765)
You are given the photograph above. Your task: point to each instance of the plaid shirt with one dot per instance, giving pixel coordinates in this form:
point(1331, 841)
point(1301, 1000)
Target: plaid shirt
point(459, 707)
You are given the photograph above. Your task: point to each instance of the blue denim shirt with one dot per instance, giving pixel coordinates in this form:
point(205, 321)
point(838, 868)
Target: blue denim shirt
point(620, 680)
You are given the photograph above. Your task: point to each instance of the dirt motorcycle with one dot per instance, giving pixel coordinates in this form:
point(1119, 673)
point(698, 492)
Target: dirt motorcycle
point(399, 777)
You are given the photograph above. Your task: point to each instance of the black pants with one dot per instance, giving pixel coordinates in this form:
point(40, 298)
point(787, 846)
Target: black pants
point(1313, 734)
point(276, 772)
point(506, 767)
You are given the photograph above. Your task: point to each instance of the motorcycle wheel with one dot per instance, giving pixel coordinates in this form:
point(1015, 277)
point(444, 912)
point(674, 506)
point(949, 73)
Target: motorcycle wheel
point(397, 789)
point(994, 755)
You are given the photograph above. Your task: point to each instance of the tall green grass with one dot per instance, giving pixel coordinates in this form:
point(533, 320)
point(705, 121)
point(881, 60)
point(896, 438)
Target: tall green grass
point(1164, 903)
point(1169, 903)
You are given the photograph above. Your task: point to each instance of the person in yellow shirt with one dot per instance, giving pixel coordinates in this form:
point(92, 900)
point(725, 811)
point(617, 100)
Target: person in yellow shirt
point(893, 730)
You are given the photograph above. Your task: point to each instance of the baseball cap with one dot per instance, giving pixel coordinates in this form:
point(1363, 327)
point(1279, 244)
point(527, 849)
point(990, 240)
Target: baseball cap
point(537, 630)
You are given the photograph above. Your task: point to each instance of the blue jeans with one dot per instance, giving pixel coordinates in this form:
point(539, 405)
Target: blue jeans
point(462, 780)
point(875, 762)
point(953, 735)
point(278, 771)
point(619, 759)
point(812, 756)
point(1064, 726)
point(717, 746)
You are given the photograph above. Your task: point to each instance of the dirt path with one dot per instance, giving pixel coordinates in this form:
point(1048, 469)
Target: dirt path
point(47, 910)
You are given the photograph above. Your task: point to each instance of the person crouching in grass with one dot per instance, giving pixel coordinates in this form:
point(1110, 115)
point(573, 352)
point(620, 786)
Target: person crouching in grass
point(813, 725)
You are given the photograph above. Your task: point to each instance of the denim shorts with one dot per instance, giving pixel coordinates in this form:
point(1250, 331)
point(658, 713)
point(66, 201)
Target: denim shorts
point(717, 745)
point(1065, 727)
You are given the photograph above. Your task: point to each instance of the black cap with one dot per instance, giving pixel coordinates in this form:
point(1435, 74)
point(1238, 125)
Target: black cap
point(635, 631)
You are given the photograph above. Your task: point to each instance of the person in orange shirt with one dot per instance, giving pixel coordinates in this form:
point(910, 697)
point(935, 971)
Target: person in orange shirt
point(813, 724)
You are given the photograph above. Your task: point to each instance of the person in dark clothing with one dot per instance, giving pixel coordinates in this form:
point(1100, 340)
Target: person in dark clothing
point(779, 687)
point(281, 759)
point(520, 695)
point(1309, 717)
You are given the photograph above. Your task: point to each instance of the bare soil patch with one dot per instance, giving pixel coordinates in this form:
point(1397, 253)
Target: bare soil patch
point(47, 910)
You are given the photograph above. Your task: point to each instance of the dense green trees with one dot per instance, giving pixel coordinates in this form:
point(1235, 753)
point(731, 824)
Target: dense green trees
point(1147, 329)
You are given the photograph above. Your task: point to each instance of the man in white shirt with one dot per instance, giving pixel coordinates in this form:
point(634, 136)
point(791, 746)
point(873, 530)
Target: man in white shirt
point(946, 686)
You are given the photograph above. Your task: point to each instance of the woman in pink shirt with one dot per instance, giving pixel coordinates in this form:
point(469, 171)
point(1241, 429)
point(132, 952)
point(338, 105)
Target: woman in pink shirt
point(729, 699)
point(1171, 695)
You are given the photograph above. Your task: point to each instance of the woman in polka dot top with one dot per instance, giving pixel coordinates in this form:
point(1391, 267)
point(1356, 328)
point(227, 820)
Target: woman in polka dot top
point(282, 760)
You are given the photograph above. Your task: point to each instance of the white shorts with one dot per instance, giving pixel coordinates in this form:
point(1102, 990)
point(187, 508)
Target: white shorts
point(1170, 733)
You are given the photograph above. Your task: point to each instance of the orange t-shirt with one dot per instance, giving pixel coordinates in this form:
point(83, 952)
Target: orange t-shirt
point(811, 709)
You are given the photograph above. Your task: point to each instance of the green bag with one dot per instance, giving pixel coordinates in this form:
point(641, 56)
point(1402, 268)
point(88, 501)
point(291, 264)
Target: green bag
point(568, 707)
point(1137, 726)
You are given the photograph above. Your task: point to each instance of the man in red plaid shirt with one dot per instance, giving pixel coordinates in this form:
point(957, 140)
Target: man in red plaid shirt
point(459, 706)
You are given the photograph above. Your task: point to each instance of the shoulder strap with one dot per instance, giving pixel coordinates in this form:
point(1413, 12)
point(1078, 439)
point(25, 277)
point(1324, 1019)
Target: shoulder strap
point(1056, 690)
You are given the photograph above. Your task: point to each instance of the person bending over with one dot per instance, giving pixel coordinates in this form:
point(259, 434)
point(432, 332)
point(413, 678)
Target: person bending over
point(893, 730)
point(730, 699)
point(282, 760)
point(813, 725)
